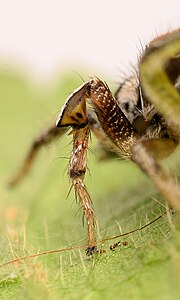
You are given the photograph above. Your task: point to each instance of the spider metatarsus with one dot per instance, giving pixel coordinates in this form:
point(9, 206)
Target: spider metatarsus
point(141, 122)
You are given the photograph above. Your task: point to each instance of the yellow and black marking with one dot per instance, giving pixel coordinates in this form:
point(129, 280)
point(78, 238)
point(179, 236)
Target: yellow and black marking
point(73, 112)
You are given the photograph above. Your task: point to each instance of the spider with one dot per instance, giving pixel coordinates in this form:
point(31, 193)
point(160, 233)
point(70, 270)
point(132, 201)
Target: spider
point(141, 123)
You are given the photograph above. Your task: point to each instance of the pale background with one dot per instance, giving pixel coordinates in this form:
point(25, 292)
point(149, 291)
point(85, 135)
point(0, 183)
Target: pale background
point(47, 36)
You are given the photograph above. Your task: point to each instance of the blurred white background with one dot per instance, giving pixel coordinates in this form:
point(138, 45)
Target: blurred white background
point(47, 36)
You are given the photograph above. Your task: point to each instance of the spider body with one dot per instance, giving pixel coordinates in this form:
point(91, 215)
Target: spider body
point(141, 122)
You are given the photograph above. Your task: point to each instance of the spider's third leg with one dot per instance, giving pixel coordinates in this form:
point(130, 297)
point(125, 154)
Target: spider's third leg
point(44, 139)
point(164, 181)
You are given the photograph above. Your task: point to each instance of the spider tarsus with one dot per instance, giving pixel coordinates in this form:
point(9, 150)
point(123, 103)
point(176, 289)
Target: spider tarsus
point(91, 250)
point(94, 250)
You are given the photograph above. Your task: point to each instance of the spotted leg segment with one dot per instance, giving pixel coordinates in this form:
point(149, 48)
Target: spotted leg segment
point(113, 121)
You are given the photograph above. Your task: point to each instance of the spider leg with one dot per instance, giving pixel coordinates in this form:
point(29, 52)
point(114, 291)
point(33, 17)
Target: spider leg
point(164, 181)
point(115, 125)
point(44, 139)
point(104, 148)
point(160, 78)
point(128, 142)
point(114, 128)
point(74, 114)
point(77, 170)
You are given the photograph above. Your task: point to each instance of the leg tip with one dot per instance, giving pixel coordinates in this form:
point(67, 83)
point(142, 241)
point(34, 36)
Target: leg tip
point(91, 250)
point(94, 249)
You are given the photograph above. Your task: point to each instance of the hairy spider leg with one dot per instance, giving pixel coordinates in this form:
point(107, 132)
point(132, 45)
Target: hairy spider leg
point(115, 125)
point(77, 170)
point(73, 114)
point(130, 145)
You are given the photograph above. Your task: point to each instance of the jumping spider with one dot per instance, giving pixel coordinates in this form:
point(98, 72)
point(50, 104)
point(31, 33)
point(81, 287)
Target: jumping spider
point(140, 123)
